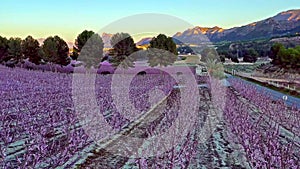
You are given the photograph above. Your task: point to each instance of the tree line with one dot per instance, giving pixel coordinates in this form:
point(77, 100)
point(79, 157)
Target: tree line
point(124, 51)
point(54, 50)
point(88, 47)
point(251, 50)
point(236, 51)
point(248, 50)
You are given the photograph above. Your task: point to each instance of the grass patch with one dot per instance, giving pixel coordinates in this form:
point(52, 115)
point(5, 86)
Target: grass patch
point(242, 68)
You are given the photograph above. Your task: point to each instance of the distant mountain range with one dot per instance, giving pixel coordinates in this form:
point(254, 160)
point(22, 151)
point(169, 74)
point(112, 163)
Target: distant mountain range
point(283, 23)
point(146, 41)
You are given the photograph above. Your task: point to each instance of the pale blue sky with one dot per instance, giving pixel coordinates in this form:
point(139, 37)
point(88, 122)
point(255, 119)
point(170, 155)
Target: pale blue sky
point(67, 18)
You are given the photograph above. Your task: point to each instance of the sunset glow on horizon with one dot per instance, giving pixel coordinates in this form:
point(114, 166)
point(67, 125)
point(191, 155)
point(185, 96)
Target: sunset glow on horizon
point(68, 18)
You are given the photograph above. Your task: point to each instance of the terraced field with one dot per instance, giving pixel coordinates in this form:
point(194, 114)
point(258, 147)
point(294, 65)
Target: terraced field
point(41, 129)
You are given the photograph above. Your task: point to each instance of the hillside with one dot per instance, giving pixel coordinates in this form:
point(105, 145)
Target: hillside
point(295, 41)
point(284, 23)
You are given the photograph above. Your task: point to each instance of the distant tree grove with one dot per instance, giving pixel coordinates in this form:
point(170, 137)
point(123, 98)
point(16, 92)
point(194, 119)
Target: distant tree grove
point(123, 46)
point(15, 50)
point(162, 51)
point(54, 50)
point(285, 57)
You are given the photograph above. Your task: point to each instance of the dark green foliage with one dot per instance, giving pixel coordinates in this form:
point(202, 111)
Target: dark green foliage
point(30, 49)
point(88, 48)
point(228, 51)
point(74, 55)
point(250, 55)
point(285, 57)
point(275, 50)
point(209, 53)
point(42, 55)
point(82, 38)
point(241, 49)
point(234, 59)
point(163, 42)
point(49, 50)
point(222, 58)
point(55, 50)
point(14, 49)
point(162, 51)
point(289, 57)
point(3, 49)
point(224, 53)
point(80, 41)
point(92, 52)
point(123, 46)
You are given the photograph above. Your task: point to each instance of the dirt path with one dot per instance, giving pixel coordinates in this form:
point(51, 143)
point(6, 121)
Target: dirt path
point(216, 152)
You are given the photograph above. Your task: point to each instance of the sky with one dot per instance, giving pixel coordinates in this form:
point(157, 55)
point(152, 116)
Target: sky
point(66, 18)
